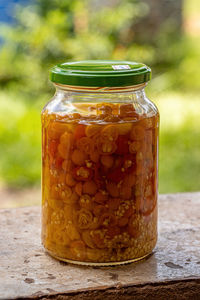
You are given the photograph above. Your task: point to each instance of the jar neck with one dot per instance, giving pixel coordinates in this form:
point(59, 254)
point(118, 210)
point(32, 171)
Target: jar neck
point(66, 96)
point(101, 90)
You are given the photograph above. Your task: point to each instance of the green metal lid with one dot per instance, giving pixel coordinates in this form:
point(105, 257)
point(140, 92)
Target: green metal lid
point(100, 73)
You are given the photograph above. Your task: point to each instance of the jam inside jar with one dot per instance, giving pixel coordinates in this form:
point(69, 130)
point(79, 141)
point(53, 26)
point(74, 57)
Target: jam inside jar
point(99, 164)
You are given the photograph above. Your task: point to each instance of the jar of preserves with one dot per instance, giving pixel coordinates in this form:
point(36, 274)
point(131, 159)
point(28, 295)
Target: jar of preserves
point(99, 164)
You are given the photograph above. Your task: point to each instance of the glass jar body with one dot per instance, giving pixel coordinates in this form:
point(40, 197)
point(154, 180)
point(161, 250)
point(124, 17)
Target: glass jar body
point(99, 176)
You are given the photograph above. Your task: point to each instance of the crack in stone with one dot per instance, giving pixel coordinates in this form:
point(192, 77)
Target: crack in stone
point(172, 265)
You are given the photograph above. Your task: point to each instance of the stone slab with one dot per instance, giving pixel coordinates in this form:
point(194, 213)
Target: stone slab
point(173, 271)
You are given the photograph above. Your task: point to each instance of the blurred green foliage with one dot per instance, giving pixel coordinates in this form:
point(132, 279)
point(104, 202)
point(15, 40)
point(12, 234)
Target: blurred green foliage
point(51, 31)
point(179, 142)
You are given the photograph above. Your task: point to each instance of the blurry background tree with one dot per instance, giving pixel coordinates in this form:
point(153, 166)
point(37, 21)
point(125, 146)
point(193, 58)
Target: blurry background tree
point(157, 32)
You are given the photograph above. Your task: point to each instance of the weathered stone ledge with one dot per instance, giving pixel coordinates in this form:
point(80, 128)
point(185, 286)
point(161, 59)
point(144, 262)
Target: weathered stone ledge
point(172, 272)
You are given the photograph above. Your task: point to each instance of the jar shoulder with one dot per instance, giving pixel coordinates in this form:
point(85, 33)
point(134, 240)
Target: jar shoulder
point(83, 103)
point(151, 106)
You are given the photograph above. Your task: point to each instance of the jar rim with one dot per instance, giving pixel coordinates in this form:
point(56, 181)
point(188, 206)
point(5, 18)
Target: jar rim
point(100, 73)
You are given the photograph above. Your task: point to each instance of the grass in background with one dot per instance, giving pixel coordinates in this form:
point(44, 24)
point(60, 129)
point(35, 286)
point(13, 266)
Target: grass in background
point(179, 168)
point(20, 139)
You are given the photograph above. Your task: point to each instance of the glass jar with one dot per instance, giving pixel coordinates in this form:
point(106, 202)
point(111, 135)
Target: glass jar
point(99, 164)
